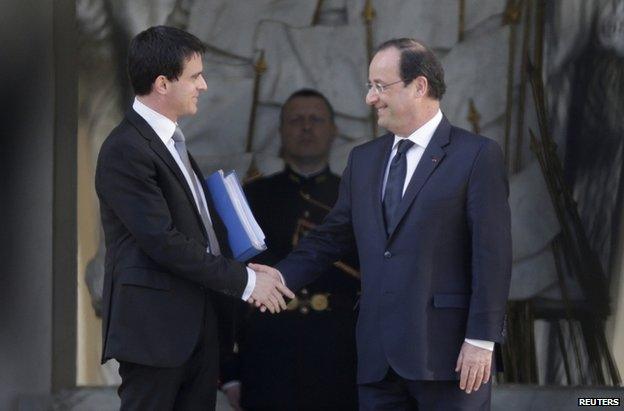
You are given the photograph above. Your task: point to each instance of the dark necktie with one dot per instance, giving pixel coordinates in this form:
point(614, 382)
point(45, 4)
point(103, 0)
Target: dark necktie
point(180, 147)
point(394, 184)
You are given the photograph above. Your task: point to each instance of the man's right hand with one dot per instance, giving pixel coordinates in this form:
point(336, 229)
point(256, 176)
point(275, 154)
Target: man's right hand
point(269, 291)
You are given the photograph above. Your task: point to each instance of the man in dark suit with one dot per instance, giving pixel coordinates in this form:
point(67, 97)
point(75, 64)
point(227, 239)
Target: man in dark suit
point(426, 207)
point(282, 362)
point(167, 259)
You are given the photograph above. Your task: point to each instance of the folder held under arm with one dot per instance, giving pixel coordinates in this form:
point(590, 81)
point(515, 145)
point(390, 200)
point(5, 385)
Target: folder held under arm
point(245, 236)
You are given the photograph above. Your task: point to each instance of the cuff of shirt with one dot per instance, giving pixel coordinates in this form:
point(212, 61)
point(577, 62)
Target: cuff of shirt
point(229, 384)
point(251, 284)
point(488, 345)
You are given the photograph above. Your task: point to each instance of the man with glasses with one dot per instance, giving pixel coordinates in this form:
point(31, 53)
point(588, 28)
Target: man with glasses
point(426, 206)
point(283, 362)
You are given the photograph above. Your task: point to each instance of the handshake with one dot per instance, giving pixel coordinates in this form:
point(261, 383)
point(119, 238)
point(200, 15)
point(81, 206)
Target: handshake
point(269, 292)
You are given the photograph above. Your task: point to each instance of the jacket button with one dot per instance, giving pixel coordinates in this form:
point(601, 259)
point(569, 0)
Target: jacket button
point(387, 254)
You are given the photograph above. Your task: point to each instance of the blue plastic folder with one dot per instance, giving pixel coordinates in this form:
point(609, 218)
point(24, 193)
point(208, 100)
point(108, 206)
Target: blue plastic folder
point(245, 236)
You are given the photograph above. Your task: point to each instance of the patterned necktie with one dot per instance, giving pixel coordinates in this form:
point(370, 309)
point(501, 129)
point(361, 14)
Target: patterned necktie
point(394, 185)
point(180, 147)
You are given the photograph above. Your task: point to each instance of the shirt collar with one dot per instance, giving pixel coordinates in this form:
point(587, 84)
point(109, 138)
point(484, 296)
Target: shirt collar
point(162, 126)
point(422, 135)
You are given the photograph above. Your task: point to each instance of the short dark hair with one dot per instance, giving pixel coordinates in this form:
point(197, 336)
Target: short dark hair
point(418, 60)
point(308, 92)
point(159, 50)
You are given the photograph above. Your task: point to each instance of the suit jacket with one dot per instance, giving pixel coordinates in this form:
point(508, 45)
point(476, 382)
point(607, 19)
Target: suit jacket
point(160, 282)
point(443, 273)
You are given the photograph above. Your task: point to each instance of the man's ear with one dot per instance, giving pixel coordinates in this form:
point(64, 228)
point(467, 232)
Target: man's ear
point(161, 85)
point(421, 86)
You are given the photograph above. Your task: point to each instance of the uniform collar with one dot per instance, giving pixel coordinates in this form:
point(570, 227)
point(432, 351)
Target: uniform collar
point(315, 178)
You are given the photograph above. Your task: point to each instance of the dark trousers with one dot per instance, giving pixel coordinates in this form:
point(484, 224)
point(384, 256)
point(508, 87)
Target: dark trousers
point(191, 386)
point(395, 393)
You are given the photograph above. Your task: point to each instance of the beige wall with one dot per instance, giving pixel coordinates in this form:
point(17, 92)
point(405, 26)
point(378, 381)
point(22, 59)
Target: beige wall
point(99, 113)
point(89, 333)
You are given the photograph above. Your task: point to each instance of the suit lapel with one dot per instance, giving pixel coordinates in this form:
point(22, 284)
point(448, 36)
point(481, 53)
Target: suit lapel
point(161, 150)
point(380, 163)
point(430, 160)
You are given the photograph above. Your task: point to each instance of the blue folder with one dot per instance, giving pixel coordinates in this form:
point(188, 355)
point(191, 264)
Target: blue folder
point(240, 243)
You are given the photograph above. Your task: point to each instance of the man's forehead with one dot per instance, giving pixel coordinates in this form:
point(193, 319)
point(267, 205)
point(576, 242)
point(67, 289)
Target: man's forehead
point(385, 62)
point(306, 104)
point(193, 62)
point(193, 56)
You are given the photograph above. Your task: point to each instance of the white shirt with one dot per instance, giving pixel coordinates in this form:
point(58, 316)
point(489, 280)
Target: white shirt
point(421, 138)
point(164, 129)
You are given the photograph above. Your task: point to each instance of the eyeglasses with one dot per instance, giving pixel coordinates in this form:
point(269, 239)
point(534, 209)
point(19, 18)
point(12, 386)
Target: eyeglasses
point(378, 87)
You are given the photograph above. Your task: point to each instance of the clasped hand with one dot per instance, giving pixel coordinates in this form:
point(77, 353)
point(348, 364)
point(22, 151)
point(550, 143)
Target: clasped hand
point(270, 290)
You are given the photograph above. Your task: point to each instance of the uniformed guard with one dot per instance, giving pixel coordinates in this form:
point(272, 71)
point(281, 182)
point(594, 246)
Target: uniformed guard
point(304, 358)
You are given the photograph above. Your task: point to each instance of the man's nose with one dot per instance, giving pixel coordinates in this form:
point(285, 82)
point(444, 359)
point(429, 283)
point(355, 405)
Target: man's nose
point(371, 96)
point(202, 83)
